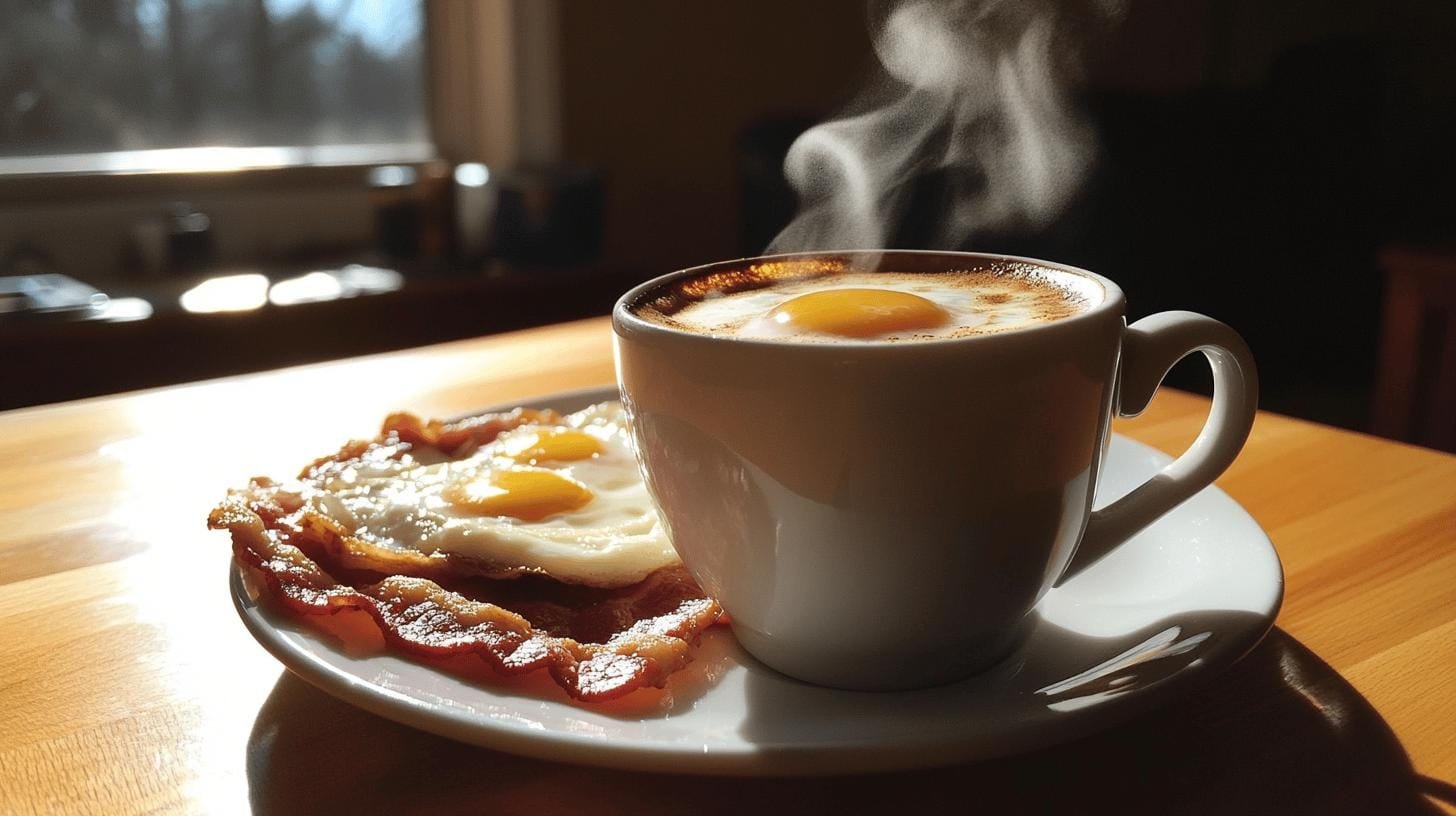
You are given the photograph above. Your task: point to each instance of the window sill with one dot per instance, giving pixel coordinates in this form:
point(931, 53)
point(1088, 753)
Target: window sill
point(189, 171)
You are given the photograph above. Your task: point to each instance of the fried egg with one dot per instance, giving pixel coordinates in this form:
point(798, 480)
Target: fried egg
point(565, 499)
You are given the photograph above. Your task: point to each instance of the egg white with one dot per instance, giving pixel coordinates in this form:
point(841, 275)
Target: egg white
point(616, 539)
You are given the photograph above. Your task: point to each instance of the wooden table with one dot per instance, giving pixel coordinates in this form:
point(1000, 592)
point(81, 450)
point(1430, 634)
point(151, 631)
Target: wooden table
point(127, 684)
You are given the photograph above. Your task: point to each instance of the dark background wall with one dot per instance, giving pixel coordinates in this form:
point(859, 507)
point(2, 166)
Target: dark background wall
point(657, 96)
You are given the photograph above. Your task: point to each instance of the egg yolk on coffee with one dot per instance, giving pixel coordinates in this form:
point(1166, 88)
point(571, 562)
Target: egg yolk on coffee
point(525, 493)
point(858, 313)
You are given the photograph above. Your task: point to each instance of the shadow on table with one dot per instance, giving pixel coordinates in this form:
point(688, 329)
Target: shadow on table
point(1278, 732)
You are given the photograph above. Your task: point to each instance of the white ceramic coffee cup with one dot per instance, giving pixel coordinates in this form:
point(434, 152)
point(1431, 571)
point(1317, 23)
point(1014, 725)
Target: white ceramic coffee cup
point(878, 515)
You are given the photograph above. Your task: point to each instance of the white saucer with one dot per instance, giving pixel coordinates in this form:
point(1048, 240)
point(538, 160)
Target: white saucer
point(1181, 601)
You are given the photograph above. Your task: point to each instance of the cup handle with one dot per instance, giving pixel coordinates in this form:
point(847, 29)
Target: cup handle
point(1151, 347)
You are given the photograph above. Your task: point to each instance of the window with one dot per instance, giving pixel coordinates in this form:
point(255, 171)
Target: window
point(104, 85)
point(263, 115)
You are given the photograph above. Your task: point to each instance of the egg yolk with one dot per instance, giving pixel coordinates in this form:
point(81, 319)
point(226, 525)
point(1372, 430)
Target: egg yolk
point(552, 445)
point(858, 313)
point(528, 494)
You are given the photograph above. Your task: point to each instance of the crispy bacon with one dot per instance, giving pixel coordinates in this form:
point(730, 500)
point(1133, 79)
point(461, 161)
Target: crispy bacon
point(646, 631)
point(459, 437)
point(403, 432)
point(597, 644)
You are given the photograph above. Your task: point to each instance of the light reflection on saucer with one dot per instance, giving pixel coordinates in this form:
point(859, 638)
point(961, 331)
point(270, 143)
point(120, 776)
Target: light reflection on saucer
point(1112, 677)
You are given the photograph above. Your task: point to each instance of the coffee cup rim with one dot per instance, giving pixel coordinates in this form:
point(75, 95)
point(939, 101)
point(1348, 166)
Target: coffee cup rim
point(628, 324)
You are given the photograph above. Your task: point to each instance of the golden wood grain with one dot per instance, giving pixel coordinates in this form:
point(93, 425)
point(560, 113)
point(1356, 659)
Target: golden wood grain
point(127, 684)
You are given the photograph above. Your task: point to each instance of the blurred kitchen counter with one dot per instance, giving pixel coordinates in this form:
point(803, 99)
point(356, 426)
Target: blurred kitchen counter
point(50, 359)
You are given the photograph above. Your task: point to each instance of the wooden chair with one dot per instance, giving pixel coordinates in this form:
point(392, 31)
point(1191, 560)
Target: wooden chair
point(1415, 385)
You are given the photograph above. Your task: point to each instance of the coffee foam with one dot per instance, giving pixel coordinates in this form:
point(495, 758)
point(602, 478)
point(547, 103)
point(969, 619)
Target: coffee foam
point(997, 297)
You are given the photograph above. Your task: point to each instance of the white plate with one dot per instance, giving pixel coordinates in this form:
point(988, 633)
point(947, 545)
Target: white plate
point(1181, 601)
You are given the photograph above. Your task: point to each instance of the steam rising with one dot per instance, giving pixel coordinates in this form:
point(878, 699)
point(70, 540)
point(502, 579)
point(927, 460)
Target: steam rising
point(975, 91)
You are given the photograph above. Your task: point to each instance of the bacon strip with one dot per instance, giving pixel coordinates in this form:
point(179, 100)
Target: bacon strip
point(403, 432)
point(662, 616)
point(596, 644)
